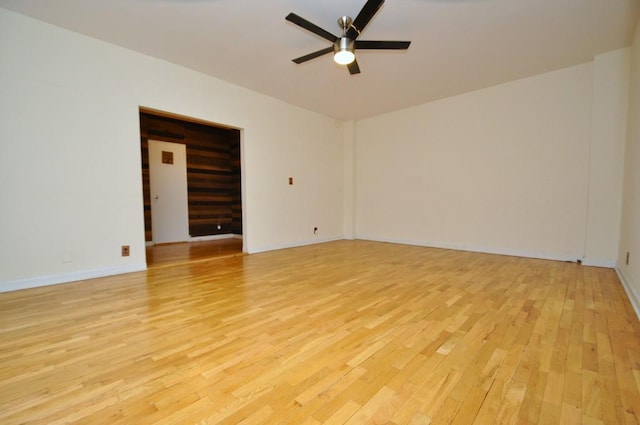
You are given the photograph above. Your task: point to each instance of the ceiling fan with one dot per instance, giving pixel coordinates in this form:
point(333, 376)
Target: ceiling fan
point(344, 46)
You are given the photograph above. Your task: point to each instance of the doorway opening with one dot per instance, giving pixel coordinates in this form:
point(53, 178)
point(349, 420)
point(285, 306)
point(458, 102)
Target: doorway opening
point(213, 193)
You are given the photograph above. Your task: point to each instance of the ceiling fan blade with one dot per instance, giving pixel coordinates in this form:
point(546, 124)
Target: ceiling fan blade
point(392, 45)
point(313, 55)
point(353, 67)
point(368, 10)
point(309, 26)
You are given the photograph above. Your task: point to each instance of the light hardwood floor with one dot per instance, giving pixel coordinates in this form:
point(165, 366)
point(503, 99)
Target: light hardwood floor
point(348, 332)
point(181, 253)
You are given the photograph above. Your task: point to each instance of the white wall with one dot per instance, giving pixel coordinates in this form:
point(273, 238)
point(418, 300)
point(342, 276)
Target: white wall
point(630, 228)
point(349, 137)
point(606, 166)
point(70, 185)
point(503, 170)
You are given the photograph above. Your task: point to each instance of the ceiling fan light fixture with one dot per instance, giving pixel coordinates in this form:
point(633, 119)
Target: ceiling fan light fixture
point(343, 47)
point(344, 51)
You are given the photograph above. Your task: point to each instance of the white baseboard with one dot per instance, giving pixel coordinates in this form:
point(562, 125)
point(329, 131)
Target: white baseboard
point(36, 282)
point(634, 297)
point(483, 250)
point(212, 237)
point(598, 262)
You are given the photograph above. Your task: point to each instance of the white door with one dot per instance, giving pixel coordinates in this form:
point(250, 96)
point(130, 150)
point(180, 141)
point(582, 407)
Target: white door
point(168, 187)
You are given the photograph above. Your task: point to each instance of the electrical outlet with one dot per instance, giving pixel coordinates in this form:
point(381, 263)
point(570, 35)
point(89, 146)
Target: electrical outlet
point(125, 250)
point(627, 261)
point(290, 180)
point(315, 230)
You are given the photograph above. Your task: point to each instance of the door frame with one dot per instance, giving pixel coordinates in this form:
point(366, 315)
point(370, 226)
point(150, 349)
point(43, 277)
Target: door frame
point(243, 171)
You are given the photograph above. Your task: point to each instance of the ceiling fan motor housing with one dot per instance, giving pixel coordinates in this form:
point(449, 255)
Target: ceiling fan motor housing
point(343, 43)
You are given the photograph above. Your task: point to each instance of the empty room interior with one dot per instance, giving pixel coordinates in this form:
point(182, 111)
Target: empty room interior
point(337, 212)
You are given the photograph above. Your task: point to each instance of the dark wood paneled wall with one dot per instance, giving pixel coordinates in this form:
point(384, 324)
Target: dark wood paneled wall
point(213, 173)
point(236, 184)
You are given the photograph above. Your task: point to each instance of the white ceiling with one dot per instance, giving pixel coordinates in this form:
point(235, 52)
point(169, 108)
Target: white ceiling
point(457, 45)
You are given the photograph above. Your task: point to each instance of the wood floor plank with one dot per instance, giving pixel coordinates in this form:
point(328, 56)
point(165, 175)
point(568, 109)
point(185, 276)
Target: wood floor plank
point(343, 332)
